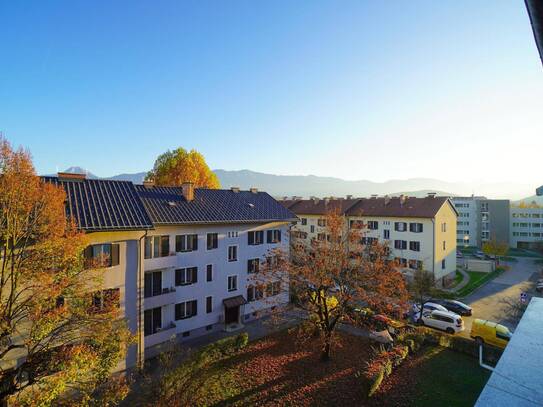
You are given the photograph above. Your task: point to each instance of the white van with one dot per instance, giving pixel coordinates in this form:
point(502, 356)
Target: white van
point(445, 320)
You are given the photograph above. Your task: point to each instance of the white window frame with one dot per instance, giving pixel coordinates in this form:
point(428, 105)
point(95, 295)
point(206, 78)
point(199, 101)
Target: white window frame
point(228, 253)
point(235, 278)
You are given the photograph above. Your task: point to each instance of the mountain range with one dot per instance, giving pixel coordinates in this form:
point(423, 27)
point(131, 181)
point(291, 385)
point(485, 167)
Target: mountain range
point(311, 185)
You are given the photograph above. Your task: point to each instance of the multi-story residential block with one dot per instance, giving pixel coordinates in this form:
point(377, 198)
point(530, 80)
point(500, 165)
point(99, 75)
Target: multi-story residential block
point(421, 232)
point(180, 260)
point(526, 227)
point(481, 219)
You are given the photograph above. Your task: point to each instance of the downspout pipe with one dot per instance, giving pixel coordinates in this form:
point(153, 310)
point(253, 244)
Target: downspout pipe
point(140, 303)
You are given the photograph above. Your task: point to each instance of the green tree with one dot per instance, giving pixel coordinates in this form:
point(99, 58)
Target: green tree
point(494, 248)
point(173, 168)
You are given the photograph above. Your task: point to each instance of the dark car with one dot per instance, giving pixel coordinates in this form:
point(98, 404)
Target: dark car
point(455, 306)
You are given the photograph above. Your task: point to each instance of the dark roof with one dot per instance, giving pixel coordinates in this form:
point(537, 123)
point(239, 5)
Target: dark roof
point(102, 205)
point(535, 12)
point(386, 207)
point(167, 206)
point(234, 301)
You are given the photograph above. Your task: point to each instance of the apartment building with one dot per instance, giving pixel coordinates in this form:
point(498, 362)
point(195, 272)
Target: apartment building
point(421, 232)
point(526, 225)
point(181, 260)
point(481, 219)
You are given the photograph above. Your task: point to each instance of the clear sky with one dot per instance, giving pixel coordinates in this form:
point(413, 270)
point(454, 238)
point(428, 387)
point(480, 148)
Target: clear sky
point(354, 89)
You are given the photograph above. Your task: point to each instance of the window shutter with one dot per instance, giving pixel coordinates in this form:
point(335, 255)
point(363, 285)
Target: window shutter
point(115, 254)
point(178, 277)
point(269, 236)
point(195, 307)
point(195, 274)
point(194, 242)
point(279, 235)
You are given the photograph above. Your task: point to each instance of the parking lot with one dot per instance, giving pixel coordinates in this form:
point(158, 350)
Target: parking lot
point(490, 301)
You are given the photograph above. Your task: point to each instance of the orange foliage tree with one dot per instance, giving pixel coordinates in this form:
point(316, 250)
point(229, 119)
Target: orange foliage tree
point(50, 340)
point(331, 279)
point(178, 166)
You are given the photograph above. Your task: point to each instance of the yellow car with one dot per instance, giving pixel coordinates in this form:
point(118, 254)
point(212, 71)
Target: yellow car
point(489, 332)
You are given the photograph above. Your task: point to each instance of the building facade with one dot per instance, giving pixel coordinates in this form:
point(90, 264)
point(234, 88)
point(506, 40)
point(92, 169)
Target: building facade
point(420, 232)
point(481, 219)
point(526, 226)
point(180, 260)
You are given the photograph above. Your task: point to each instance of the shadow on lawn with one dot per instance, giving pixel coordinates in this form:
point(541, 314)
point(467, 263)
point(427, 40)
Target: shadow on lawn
point(282, 374)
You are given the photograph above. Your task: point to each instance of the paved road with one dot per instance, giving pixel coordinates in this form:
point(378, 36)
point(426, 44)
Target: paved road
point(488, 301)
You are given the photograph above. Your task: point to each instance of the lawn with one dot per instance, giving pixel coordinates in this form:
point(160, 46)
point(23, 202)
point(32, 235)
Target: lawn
point(436, 377)
point(477, 279)
point(274, 371)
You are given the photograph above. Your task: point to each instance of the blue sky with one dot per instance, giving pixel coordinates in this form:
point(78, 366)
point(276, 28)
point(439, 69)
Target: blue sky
point(354, 89)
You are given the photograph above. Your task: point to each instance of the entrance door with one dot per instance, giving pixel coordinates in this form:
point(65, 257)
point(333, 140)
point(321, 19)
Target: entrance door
point(231, 315)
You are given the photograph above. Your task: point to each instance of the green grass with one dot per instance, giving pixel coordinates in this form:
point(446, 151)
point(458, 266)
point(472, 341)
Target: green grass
point(477, 279)
point(448, 378)
point(457, 279)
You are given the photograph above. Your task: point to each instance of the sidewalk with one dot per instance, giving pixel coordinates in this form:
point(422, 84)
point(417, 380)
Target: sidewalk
point(462, 284)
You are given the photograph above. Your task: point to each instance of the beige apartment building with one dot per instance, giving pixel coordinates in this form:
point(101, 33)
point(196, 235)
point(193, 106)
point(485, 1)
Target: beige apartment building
point(421, 232)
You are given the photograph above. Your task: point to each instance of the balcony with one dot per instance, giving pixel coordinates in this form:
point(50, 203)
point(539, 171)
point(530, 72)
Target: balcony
point(162, 335)
point(166, 297)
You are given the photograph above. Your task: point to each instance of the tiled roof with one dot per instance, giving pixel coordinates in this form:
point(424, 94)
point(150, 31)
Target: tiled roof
point(167, 206)
point(102, 205)
point(385, 207)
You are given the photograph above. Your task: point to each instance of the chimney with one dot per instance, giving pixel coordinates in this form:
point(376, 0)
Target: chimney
point(387, 200)
point(403, 198)
point(70, 176)
point(349, 197)
point(149, 183)
point(187, 188)
point(374, 196)
point(234, 189)
point(315, 200)
point(326, 200)
point(253, 190)
point(431, 194)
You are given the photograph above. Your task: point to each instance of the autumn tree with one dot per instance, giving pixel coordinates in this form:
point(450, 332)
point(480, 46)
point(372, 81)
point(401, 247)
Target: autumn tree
point(52, 340)
point(495, 248)
point(179, 166)
point(330, 279)
point(422, 287)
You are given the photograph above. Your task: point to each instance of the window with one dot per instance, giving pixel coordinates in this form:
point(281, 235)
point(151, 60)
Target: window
point(373, 225)
point(415, 264)
point(401, 261)
point(152, 284)
point(400, 244)
point(186, 243)
point(444, 227)
point(209, 327)
point(232, 234)
point(273, 289)
point(255, 237)
point(250, 293)
point(312, 228)
point(400, 226)
point(415, 227)
point(443, 264)
point(273, 236)
point(444, 245)
point(160, 246)
point(101, 255)
point(304, 221)
point(232, 283)
point(356, 224)
point(185, 334)
point(186, 309)
point(321, 222)
point(368, 240)
point(209, 304)
point(504, 336)
point(148, 245)
point(271, 261)
point(232, 253)
point(212, 241)
point(386, 234)
point(209, 272)
point(152, 320)
point(253, 265)
point(321, 236)
point(102, 300)
point(186, 276)
point(414, 246)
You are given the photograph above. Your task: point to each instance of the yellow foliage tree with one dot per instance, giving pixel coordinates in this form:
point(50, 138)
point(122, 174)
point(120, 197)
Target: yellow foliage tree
point(495, 248)
point(178, 166)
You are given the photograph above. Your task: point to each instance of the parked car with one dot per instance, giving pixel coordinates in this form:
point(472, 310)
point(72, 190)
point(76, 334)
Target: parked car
point(455, 306)
point(479, 255)
point(459, 254)
point(445, 320)
point(484, 331)
point(428, 307)
point(539, 285)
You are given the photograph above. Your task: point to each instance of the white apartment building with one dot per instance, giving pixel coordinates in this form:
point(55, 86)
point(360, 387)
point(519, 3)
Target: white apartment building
point(182, 261)
point(481, 219)
point(526, 225)
point(421, 232)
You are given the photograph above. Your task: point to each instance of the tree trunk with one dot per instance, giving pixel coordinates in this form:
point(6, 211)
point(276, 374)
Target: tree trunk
point(327, 346)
